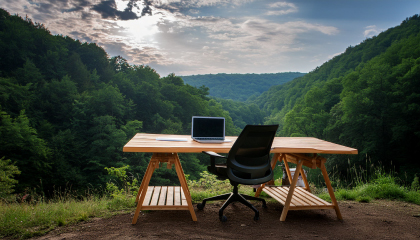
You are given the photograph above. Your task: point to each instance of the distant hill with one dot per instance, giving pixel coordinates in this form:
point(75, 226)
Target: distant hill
point(367, 98)
point(239, 87)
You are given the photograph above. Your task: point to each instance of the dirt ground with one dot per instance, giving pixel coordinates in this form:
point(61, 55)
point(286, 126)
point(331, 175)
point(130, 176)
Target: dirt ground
point(374, 220)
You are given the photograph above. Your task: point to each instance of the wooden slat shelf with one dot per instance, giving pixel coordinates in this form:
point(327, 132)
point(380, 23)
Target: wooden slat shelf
point(301, 199)
point(164, 198)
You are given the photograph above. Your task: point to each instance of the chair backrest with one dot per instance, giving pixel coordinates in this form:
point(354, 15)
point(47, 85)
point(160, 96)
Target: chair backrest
point(248, 161)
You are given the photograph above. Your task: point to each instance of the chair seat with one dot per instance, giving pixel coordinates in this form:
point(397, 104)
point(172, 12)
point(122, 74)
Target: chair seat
point(221, 171)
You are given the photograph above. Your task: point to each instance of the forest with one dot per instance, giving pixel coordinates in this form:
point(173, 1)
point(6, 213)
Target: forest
point(67, 108)
point(367, 98)
point(239, 87)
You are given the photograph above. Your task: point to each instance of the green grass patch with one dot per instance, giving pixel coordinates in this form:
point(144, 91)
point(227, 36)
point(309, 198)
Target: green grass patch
point(343, 194)
point(29, 220)
point(25, 220)
point(383, 186)
point(363, 199)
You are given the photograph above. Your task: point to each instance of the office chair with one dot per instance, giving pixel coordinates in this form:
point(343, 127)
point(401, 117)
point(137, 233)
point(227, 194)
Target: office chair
point(247, 163)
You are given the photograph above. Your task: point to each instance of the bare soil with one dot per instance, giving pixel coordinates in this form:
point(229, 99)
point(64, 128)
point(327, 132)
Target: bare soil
point(375, 220)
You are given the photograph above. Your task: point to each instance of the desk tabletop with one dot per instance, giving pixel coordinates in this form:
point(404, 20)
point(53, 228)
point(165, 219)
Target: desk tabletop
point(146, 142)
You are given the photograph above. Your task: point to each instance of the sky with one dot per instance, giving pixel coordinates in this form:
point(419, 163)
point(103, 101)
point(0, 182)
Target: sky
point(190, 37)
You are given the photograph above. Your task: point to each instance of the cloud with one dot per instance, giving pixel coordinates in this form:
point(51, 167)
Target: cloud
point(77, 6)
point(108, 9)
point(217, 44)
point(281, 8)
point(371, 31)
point(187, 6)
point(174, 38)
point(259, 34)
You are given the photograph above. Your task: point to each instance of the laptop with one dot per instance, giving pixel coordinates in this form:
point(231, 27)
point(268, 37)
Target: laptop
point(208, 129)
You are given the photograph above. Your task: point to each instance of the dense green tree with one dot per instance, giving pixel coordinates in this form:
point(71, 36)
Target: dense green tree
point(55, 101)
point(14, 97)
point(7, 172)
point(19, 142)
point(79, 72)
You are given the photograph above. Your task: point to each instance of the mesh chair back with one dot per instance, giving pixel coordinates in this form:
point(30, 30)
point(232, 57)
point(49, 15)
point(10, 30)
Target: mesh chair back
point(248, 160)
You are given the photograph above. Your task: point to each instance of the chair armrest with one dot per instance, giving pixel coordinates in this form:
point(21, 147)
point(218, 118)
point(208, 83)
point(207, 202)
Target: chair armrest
point(213, 154)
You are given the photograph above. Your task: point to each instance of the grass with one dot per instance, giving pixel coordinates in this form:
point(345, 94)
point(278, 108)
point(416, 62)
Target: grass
point(380, 185)
point(23, 220)
point(26, 220)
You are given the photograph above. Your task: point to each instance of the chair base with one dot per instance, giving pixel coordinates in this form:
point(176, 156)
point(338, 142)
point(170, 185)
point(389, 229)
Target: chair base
point(233, 197)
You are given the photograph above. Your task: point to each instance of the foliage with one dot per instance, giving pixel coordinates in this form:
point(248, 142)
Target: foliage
point(377, 185)
point(367, 98)
point(67, 109)
point(208, 186)
point(7, 183)
point(124, 195)
point(384, 187)
point(415, 186)
point(239, 87)
point(20, 142)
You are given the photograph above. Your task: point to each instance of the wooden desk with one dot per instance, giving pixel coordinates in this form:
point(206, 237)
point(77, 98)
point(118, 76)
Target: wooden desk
point(284, 148)
point(165, 197)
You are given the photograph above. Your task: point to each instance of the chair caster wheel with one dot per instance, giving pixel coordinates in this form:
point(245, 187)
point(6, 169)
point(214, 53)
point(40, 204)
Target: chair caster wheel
point(223, 218)
point(200, 206)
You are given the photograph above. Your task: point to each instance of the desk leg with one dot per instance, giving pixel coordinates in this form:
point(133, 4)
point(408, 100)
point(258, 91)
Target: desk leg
point(143, 187)
point(184, 186)
point(274, 160)
point(305, 180)
point(291, 189)
point(143, 181)
point(330, 190)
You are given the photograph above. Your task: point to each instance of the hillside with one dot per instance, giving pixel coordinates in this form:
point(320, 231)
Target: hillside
point(367, 98)
point(239, 87)
point(66, 110)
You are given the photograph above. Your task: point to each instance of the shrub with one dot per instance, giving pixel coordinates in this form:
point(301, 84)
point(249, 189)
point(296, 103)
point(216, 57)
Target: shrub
point(124, 196)
point(415, 186)
point(7, 183)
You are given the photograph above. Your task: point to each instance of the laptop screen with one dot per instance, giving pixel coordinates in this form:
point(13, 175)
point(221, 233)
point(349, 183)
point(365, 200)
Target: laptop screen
point(208, 127)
